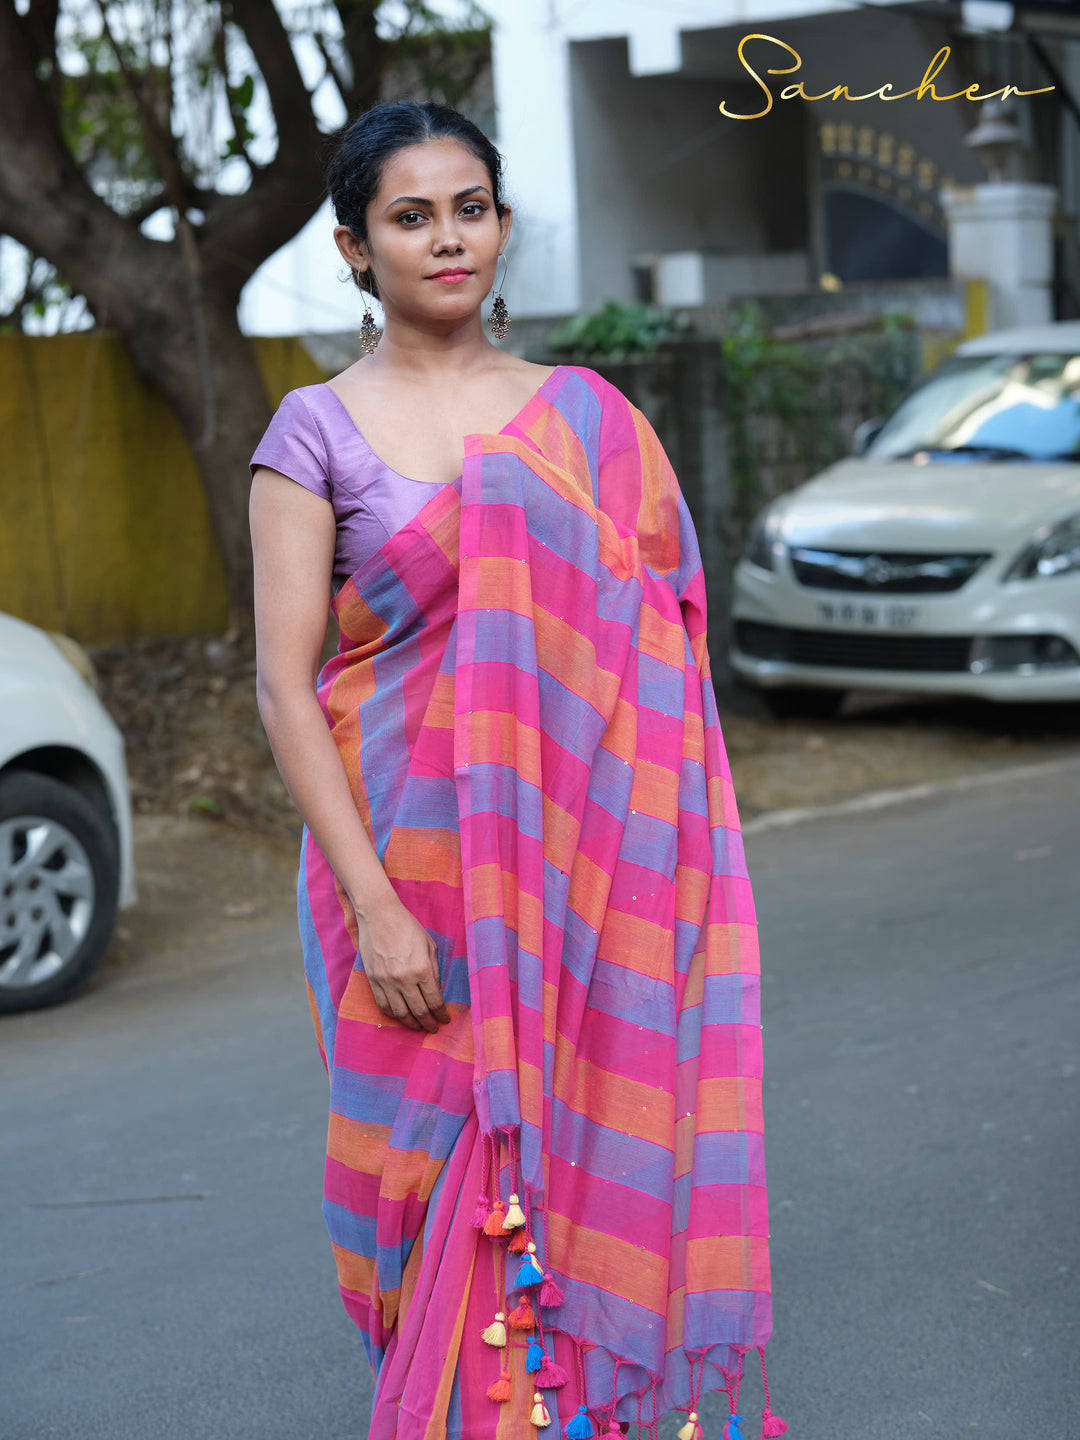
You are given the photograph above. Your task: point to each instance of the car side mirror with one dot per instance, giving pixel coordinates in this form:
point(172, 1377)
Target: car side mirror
point(866, 434)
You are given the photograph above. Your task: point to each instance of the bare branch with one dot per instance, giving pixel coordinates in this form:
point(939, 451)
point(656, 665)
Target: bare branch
point(236, 114)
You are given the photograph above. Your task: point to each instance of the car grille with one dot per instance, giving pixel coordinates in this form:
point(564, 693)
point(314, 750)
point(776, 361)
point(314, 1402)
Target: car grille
point(883, 574)
point(858, 651)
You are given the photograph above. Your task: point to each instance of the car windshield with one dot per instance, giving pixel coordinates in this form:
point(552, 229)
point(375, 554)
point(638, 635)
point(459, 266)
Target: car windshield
point(996, 407)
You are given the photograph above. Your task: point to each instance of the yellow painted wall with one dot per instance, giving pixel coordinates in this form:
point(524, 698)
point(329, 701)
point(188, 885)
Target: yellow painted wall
point(103, 526)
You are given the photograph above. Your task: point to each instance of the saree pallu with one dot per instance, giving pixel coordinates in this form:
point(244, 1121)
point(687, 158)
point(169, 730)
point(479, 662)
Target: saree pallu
point(522, 703)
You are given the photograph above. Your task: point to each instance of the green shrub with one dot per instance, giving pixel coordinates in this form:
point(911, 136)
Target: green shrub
point(617, 330)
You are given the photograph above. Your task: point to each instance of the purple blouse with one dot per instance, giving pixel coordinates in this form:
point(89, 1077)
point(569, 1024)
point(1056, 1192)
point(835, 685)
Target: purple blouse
point(314, 440)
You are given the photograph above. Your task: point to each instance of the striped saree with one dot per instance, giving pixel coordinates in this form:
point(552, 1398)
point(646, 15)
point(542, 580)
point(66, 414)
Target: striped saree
point(522, 702)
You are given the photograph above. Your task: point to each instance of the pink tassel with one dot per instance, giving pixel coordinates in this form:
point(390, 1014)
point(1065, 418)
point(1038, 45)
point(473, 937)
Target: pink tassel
point(550, 1375)
point(550, 1294)
point(481, 1213)
point(771, 1425)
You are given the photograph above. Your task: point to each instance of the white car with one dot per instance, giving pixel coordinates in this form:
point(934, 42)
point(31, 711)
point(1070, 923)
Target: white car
point(945, 558)
point(65, 819)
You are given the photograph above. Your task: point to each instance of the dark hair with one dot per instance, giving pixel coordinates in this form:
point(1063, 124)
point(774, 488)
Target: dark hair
point(356, 166)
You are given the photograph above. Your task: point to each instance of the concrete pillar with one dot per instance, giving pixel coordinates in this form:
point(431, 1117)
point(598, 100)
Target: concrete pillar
point(1001, 232)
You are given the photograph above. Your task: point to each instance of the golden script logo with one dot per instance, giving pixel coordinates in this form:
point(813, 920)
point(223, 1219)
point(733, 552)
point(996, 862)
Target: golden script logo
point(798, 90)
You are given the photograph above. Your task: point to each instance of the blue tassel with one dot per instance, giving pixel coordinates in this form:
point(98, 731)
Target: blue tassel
point(580, 1427)
point(535, 1358)
point(731, 1429)
point(529, 1273)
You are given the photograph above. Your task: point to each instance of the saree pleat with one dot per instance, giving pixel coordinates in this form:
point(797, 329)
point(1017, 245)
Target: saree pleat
point(522, 703)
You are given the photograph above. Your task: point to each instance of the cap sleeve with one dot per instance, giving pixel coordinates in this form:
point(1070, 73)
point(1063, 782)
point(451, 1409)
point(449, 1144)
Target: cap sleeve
point(294, 445)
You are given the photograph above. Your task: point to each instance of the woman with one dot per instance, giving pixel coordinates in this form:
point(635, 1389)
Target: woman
point(528, 933)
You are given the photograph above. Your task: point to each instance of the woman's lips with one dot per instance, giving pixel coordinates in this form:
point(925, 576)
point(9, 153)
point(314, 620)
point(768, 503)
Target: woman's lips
point(454, 279)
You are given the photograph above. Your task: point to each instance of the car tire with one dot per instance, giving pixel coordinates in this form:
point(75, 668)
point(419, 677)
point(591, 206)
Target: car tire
point(59, 886)
point(797, 703)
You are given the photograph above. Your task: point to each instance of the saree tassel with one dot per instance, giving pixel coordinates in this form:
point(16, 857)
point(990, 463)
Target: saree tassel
point(691, 1430)
point(481, 1213)
point(495, 1334)
point(501, 1389)
point(535, 1357)
point(731, 1429)
point(550, 1294)
point(518, 1241)
point(550, 1375)
point(529, 1272)
point(580, 1427)
point(515, 1216)
point(771, 1425)
point(539, 1416)
point(493, 1225)
point(523, 1318)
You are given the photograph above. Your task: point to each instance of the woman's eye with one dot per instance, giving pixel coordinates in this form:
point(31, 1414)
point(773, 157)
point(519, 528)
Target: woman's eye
point(475, 208)
point(410, 215)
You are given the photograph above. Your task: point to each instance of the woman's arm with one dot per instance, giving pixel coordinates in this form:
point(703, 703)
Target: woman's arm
point(293, 537)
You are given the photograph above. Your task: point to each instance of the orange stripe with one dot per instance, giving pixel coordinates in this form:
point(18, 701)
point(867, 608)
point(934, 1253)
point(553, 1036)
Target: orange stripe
point(587, 892)
point(636, 944)
point(497, 737)
point(685, 1133)
point(628, 1106)
point(661, 638)
point(358, 1144)
point(673, 1332)
point(561, 833)
point(655, 791)
point(497, 1039)
point(415, 854)
point(313, 1006)
point(722, 801)
point(497, 582)
point(355, 1272)
point(609, 1263)
point(440, 706)
point(729, 1103)
point(691, 893)
point(728, 1262)
point(620, 737)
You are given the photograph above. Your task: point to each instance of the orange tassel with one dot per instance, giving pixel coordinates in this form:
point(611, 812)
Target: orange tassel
point(523, 1318)
point(518, 1241)
point(493, 1225)
point(501, 1389)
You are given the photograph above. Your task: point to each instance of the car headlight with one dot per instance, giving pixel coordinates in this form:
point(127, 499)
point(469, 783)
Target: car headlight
point(762, 538)
point(1055, 550)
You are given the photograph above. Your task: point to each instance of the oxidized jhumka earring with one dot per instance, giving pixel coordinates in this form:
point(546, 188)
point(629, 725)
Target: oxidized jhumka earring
point(499, 319)
point(370, 334)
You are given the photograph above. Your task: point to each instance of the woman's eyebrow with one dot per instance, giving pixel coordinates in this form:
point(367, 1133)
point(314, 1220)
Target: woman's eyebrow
point(420, 200)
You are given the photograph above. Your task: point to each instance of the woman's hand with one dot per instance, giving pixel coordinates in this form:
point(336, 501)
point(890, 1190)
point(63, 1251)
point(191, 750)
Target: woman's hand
point(402, 967)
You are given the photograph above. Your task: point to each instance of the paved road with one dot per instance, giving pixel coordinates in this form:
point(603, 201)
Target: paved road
point(921, 1029)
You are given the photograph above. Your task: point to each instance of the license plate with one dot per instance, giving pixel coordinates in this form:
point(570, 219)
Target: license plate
point(868, 615)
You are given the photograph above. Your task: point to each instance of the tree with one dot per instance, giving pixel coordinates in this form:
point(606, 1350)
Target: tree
point(112, 111)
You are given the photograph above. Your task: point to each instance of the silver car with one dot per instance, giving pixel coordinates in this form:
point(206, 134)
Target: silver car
point(945, 558)
point(65, 820)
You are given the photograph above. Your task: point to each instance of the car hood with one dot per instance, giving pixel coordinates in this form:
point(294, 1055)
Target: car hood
point(956, 505)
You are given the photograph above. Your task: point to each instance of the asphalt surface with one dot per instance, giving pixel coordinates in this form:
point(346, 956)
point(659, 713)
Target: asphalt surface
point(165, 1268)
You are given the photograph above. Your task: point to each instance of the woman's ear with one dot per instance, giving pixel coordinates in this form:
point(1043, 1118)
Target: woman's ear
point(506, 220)
point(353, 251)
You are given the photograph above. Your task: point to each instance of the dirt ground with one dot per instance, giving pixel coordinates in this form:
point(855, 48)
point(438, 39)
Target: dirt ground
point(196, 746)
point(217, 835)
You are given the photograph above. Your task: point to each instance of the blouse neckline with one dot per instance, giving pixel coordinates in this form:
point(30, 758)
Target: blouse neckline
point(537, 394)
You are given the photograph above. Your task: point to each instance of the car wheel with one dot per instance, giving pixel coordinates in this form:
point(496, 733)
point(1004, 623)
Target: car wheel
point(800, 704)
point(59, 882)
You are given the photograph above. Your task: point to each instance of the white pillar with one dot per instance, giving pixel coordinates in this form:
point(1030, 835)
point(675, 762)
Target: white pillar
point(1001, 232)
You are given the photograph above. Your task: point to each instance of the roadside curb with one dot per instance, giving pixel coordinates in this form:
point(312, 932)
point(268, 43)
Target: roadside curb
point(884, 799)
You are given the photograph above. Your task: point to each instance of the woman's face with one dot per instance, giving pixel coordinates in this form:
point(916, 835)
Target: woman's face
point(433, 213)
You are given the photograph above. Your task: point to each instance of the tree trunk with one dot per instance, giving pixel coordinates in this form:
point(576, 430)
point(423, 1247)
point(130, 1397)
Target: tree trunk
point(207, 370)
